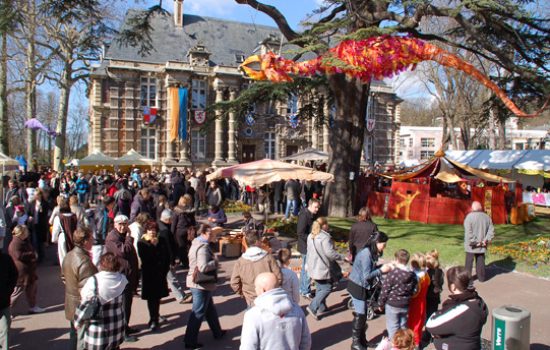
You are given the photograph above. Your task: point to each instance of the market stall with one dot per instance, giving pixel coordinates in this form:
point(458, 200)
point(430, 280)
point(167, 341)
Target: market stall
point(132, 160)
point(442, 192)
point(96, 161)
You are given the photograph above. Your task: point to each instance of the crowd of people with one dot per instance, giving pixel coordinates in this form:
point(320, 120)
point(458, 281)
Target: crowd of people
point(120, 235)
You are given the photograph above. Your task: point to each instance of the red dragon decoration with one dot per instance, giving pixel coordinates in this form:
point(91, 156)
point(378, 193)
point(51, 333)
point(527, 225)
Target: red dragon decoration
point(377, 57)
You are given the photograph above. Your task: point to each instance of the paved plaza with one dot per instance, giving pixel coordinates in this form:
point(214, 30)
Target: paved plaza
point(50, 330)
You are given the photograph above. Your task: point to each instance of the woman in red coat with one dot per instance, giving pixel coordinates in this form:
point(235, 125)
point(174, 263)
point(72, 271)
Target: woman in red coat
point(417, 306)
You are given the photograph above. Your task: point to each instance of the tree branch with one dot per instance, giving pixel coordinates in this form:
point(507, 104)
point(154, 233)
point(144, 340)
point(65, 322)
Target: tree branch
point(275, 14)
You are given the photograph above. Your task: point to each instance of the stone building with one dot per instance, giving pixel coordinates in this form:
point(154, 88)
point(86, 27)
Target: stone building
point(203, 55)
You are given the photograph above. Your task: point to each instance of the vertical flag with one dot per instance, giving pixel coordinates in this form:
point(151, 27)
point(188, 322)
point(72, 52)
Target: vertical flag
point(182, 128)
point(174, 112)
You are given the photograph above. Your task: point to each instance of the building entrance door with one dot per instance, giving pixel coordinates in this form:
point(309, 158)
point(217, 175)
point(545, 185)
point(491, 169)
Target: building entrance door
point(290, 150)
point(248, 153)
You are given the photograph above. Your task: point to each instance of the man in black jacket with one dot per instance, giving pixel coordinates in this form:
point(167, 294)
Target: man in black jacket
point(103, 224)
point(305, 220)
point(8, 279)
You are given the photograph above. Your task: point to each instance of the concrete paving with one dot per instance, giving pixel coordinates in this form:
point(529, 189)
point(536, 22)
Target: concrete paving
point(50, 330)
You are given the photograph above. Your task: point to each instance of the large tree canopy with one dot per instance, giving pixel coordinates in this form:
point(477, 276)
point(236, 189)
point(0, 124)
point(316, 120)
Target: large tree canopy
point(512, 35)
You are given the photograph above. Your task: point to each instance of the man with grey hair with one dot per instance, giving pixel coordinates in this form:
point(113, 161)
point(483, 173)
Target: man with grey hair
point(478, 233)
point(275, 321)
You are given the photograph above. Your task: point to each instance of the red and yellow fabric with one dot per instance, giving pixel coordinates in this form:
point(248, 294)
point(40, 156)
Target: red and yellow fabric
point(173, 96)
point(377, 57)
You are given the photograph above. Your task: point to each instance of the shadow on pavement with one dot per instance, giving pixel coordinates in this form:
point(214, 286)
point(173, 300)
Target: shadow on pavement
point(47, 338)
point(325, 337)
point(500, 267)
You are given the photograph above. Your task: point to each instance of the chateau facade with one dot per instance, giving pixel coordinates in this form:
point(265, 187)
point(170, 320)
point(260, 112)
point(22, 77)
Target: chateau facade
point(130, 100)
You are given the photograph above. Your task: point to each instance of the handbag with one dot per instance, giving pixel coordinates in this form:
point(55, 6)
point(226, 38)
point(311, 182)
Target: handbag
point(335, 271)
point(91, 308)
point(199, 277)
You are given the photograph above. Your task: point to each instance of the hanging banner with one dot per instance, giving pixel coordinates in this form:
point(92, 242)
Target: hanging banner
point(200, 117)
point(149, 115)
point(249, 119)
point(182, 129)
point(173, 94)
point(293, 120)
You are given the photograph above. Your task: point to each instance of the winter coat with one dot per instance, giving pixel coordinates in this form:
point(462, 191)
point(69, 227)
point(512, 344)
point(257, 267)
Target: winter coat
point(40, 220)
point(123, 198)
point(166, 234)
point(77, 267)
point(293, 189)
point(219, 217)
point(123, 247)
point(155, 263)
point(398, 287)
point(364, 268)
point(182, 219)
point(359, 234)
point(82, 186)
point(291, 284)
point(24, 257)
point(201, 256)
point(320, 254)
point(458, 324)
point(253, 262)
point(214, 196)
point(107, 333)
point(478, 227)
point(8, 279)
point(103, 225)
point(275, 322)
point(305, 221)
point(139, 205)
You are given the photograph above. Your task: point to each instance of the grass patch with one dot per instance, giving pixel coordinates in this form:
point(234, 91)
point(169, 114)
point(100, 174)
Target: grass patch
point(448, 240)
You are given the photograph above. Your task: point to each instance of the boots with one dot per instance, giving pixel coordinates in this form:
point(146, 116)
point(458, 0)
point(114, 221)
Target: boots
point(358, 336)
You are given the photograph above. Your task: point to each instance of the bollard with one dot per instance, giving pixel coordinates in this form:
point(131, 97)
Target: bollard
point(511, 328)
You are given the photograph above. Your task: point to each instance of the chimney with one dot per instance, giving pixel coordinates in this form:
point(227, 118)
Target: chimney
point(178, 13)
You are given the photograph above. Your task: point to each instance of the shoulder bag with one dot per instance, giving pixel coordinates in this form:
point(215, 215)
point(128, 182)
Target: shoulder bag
point(203, 277)
point(335, 271)
point(91, 308)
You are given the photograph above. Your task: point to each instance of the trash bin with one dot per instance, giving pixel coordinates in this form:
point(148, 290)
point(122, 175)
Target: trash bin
point(511, 328)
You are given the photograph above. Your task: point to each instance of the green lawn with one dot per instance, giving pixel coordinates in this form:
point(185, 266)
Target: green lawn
point(448, 240)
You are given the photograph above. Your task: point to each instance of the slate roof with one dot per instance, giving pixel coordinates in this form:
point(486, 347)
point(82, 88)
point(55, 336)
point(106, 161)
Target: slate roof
point(224, 39)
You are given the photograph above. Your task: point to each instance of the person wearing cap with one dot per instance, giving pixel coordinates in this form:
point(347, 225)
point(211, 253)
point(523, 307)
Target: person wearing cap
point(121, 244)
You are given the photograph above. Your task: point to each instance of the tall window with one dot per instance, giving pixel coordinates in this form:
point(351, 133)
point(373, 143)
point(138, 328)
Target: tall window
point(198, 94)
point(148, 92)
point(149, 143)
point(427, 142)
point(269, 145)
point(292, 106)
point(198, 144)
point(426, 154)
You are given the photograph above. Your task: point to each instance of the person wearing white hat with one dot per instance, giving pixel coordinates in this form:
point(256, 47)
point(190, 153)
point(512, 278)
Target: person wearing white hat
point(121, 244)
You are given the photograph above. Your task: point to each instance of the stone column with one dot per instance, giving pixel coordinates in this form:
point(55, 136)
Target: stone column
point(218, 143)
point(326, 131)
point(231, 141)
point(314, 136)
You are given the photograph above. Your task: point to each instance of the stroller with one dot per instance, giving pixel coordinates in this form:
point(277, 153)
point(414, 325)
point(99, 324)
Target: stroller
point(372, 299)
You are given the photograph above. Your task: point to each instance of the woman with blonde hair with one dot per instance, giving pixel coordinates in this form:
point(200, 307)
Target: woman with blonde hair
point(402, 340)
point(321, 264)
point(183, 227)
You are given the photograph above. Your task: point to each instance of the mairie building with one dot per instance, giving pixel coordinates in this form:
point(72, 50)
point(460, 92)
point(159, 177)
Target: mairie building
point(133, 96)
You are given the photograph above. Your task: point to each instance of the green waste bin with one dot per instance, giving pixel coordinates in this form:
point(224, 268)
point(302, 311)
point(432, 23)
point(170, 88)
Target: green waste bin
point(511, 328)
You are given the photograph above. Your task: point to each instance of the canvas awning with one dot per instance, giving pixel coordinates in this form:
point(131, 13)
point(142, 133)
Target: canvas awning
point(134, 159)
point(266, 171)
point(7, 163)
point(308, 154)
point(96, 158)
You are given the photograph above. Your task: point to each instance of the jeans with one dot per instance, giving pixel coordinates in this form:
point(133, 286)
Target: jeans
point(359, 305)
point(174, 284)
point(305, 288)
point(323, 290)
point(291, 203)
point(5, 322)
point(82, 198)
point(203, 307)
point(480, 265)
point(396, 318)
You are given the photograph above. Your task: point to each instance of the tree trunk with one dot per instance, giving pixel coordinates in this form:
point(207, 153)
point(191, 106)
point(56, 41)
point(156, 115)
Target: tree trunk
point(445, 133)
point(4, 125)
point(501, 133)
point(454, 141)
point(346, 143)
point(30, 86)
point(61, 127)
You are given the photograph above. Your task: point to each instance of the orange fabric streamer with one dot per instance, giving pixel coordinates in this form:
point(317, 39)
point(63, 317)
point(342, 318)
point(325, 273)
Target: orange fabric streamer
point(378, 57)
point(174, 112)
